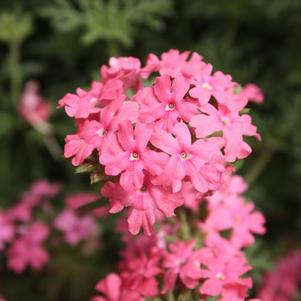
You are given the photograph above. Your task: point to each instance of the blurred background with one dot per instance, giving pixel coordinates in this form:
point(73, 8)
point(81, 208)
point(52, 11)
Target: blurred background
point(61, 44)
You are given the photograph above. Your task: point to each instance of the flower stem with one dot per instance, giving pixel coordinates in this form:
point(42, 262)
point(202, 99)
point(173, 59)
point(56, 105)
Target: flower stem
point(15, 72)
point(170, 297)
point(112, 48)
point(185, 230)
point(263, 159)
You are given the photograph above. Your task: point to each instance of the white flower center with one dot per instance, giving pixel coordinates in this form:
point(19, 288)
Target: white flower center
point(220, 276)
point(93, 100)
point(207, 86)
point(134, 156)
point(101, 132)
point(184, 156)
point(225, 120)
point(170, 107)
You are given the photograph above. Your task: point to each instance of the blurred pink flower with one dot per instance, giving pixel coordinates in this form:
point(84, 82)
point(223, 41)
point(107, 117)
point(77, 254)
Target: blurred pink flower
point(253, 93)
point(221, 274)
point(181, 261)
point(33, 107)
point(7, 230)
point(75, 228)
point(283, 283)
point(77, 200)
point(27, 250)
point(112, 290)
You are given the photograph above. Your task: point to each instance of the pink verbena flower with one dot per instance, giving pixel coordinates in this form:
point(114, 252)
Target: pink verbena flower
point(77, 200)
point(140, 273)
point(147, 204)
point(174, 63)
point(75, 228)
point(232, 186)
point(44, 189)
point(20, 212)
point(186, 158)
point(112, 290)
point(28, 250)
point(92, 134)
point(127, 154)
point(83, 103)
point(127, 69)
point(282, 283)
point(33, 107)
point(156, 135)
point(7, 230)
point(253, 93)
point(220, 274)
point(238, 217)
point(166, 103)
point(233, 126)
point(181, 261)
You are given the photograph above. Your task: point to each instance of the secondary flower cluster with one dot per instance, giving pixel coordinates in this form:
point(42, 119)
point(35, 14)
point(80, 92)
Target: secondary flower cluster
point(283, 283)
point(34, 109)
point(196, 257)
point(25, 227)
point(158, 133)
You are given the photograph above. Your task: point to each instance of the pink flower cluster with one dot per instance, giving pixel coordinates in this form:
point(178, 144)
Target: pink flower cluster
point(199, 258)
point(159, 134)
point(283, 283)
point(25, 226)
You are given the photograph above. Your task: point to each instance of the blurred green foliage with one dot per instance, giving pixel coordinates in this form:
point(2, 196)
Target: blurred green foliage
point(62, 43)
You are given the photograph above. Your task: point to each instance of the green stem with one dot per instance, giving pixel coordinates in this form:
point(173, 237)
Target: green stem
point(259, 165)
point(15, 72)
point(170, 297)
point(185, 229)
point(112, 48)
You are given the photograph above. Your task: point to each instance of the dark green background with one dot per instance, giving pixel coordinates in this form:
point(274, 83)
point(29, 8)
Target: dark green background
point(255, 41)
